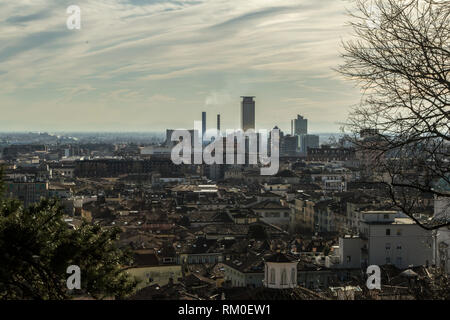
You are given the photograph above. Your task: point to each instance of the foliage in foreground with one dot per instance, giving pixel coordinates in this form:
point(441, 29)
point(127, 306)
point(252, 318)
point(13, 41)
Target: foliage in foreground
point(37, 246)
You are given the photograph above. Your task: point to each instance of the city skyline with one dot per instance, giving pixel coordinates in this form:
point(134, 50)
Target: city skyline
point(106, 78)
point(229, 154)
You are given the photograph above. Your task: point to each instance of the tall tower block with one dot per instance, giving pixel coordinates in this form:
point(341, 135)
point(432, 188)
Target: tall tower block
point(203, 124)
point(247, 113)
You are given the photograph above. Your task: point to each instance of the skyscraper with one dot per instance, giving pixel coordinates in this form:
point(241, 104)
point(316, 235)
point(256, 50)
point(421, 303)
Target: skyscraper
point(203, 124)
point(308, 141)
point(299, 126)
point(218, 122)
point(247, 113)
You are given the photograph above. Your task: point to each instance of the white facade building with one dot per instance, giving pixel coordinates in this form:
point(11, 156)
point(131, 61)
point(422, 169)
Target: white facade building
point(441, 246)
point(331, 181)
point(397, 241)
point(272, 212)
point(280, 272)
point(385, 238)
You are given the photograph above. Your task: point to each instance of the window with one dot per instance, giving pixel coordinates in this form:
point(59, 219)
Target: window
point(399, 232)
point(388, 260)
point(399, 261)
point(293, 274)
point(272, 276)
point(284, 277)
point(399, 247)
point(388, 232)
point(386, 216)
point(349, 259)
point(388, 246)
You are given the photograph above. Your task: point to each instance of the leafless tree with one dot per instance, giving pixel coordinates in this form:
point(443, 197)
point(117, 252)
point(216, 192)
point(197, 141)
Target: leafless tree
point(434, 286)
point(400, 58)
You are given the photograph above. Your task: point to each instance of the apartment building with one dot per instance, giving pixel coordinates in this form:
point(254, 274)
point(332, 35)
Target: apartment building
point(385, 237)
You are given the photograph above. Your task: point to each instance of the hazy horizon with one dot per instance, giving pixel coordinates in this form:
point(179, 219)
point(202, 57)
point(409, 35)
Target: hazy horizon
point(126, 132)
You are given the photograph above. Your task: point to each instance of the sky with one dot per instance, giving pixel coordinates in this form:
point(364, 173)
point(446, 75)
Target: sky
point(148, 65)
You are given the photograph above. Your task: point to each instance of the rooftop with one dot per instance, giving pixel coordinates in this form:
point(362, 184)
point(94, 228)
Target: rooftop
point(279, 257)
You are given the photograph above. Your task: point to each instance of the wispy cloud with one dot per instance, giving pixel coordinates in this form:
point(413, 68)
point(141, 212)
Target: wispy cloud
point(156, 55)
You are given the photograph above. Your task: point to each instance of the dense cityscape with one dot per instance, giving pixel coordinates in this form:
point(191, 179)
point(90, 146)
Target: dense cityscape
point(224, 158)
point(206, 231)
